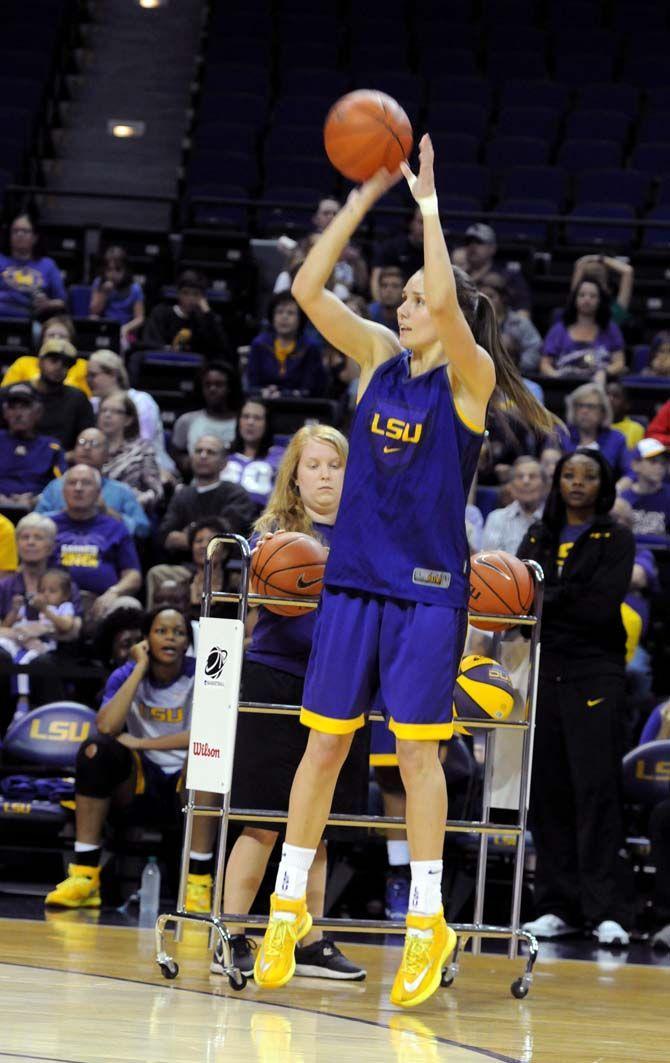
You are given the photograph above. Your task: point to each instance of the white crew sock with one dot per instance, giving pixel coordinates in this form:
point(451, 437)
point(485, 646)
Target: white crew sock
point(397, 853)
point(293, 871)
point(425, 893)
point(85, 847)
point(193, 855)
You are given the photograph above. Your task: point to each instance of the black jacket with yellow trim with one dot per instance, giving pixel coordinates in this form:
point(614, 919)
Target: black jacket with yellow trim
point(581, 620)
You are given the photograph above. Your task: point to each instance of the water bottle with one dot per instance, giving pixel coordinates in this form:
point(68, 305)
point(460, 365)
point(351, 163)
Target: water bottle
point(150, 893)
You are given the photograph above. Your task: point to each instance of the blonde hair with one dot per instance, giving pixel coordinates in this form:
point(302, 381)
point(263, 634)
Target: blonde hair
point(111, 363)
point(37, 521)
point(285, 509)
point(586, 391)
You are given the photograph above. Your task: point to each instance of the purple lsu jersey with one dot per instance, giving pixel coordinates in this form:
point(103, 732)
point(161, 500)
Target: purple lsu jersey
point(400, 529)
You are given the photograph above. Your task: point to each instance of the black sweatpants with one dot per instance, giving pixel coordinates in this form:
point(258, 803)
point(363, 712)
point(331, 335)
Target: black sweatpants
point(576, 808)
point(659, 833)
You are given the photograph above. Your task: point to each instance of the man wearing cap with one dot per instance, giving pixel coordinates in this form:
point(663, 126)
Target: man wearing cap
point(27, 460)
point(649, 494)
point(117, 499)
point(65, 410)
point(477, 258)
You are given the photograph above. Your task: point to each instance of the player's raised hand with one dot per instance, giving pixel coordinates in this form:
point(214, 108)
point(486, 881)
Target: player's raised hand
point(422, 184)
point(370, 191)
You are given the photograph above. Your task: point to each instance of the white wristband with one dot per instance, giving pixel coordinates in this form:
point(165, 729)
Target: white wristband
point(428, 205)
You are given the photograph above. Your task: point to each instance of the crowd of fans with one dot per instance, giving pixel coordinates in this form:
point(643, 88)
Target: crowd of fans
point(105, 515)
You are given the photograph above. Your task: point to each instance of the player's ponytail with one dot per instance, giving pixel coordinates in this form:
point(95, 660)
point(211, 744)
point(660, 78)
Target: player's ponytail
point(510, 391)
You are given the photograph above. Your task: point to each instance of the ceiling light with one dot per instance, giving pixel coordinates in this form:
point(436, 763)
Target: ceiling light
point(124, 128)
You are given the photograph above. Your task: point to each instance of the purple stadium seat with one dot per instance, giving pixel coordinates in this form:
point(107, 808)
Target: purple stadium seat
point(220, 135)
point(467, 205)
point(646, 71)
point(79, 299)
point(303, 140)
point(541, 182)
point(620, 186)
point(571, 67)
point(471, 180)
point(438, 54)
point(576, 155)
point(455, 147)
point(655, 126)
point(224, 108)
point(589, 123)
point(505, 35)
point(385, 56)
point(302, 110)
point(609, 96)
point(222, 167)
point(652, 159)
point(227, 215)
point(657, 236)
point(517, 92)
point(468, 118)
point(301, 81)
point(500, 63)
point(504, 152)
point(663, 194)
point(640, 358)
point(451, 88)
point(601, 232)
point(524, 229)
point(407, 89)
point(575, 15)
point(310, 170)
point(630, 17)
point(277, 218)
point(540, 122)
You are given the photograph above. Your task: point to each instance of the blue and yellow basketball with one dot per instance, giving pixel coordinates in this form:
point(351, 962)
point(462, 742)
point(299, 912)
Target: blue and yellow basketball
point(483, 691)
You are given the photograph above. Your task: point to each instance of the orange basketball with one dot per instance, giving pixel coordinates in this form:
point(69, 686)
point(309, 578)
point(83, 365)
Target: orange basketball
point(289, 565)
point(500, 584)
point(364, 131)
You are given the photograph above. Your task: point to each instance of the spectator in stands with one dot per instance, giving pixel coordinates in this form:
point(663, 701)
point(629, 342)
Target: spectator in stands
point(404, 251)
point(65, 410)
point(96, 549)
point(659, 426)
point(252, 462)
point(350, 273)
point(478, 257)
point(385, 309)
point(191, 571)
point(657, 729)
point(636, 614)
point(117, 499)
point(188, 325)
point(659, 357)
point(115, 296)
point(143, 733)
point(549, 459)
point(621, 422)
point(588, 415)
point(222, 398)
point(28, 461)
point(296, 256)
point(600, 268)
point(34, 541)
point(24, 639)
point(648, 494)
point(505, 528)
point(176, 594)
point(586, 341)
point(8, 558)
point(575, 808)
point(208, 495)
point(116, 634)
point(305, 499)
point(107, 373)
point(520, 336)
point(282, 361)
point(130, 459)
point(27, 367)
point(30, 284)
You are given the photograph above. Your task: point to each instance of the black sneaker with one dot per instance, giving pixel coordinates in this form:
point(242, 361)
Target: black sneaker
point(241, 947)
point(323, 959)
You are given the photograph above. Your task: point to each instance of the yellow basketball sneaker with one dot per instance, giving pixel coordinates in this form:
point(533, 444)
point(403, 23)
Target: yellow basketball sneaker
point(81, 889)
point(429, 943)
point(198, 894)
point(289, 923)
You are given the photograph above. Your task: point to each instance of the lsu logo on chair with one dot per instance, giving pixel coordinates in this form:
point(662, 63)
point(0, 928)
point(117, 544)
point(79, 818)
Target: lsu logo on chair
point(396, 434)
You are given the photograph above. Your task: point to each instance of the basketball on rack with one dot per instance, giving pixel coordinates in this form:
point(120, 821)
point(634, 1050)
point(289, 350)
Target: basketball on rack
point(364, 131)
point(483, 691)
point(289, 565)
point(500, 585)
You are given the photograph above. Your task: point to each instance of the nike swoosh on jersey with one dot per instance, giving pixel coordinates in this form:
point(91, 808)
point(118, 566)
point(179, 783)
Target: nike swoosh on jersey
point(305, 583)
point(392, 450)
point(594, 701)
point(411, 986)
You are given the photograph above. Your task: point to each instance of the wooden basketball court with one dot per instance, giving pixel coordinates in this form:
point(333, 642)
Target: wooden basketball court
point(73, 990)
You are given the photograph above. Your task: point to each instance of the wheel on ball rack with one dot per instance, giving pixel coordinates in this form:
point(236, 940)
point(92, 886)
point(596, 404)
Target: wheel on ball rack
point(447, 979)
point(169, 969)
point(237, 981)
point(520, 988)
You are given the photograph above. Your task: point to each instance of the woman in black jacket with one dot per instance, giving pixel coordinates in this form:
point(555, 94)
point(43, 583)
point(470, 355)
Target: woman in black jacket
point(575, 809)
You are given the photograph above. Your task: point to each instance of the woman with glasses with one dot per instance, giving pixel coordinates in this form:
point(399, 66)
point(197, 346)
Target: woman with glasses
point(588, 415)
point(131, 459)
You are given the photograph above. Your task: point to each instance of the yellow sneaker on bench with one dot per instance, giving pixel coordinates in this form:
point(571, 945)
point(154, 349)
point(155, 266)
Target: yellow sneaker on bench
point(289, 923)
point(429, 943)
point(81, 889)
point(198, 894)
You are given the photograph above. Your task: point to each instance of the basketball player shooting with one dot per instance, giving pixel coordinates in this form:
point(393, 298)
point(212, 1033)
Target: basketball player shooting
point(393, 614)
